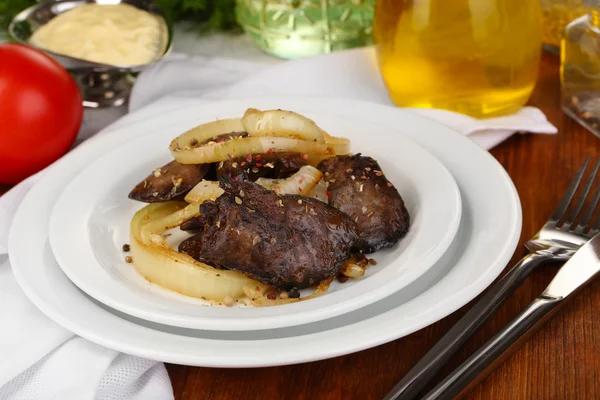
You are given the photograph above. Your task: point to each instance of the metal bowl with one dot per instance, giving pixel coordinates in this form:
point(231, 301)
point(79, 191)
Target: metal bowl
point(102, 85)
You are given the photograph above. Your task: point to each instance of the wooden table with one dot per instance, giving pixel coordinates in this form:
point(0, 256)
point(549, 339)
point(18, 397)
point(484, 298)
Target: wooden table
point(559, 362)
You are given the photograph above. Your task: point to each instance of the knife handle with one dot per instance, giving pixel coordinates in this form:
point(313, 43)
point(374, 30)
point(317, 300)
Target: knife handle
point(479, 365)
point(425, 370)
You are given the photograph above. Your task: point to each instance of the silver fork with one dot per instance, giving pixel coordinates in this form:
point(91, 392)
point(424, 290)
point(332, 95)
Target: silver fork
point(555, 242)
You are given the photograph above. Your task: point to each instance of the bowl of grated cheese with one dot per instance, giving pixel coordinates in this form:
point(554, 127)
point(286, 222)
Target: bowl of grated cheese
point(103, 43)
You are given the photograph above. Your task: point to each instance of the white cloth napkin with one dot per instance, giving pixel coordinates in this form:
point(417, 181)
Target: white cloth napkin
point(348, 74)
point(41, 360)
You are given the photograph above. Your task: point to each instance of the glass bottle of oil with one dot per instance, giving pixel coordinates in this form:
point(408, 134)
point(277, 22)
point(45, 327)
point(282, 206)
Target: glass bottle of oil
point(475, 57)
point(580, 68)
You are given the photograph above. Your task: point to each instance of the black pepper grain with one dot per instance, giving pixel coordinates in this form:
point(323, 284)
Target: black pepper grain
point(126, 247)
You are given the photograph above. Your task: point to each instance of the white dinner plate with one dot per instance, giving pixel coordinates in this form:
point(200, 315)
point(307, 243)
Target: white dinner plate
point(90, 224)
point(488, 233)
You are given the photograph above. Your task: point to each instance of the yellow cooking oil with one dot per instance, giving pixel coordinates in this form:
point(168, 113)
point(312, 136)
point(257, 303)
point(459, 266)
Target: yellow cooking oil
point(476, 57)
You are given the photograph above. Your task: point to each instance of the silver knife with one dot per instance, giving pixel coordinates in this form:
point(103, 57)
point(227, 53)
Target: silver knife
point(574, 275)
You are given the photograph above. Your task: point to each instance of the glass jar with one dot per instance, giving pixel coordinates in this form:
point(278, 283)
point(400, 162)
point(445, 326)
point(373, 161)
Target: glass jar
point(298, 28)
point(475, 57)
point(580, 68)
point(556, 14)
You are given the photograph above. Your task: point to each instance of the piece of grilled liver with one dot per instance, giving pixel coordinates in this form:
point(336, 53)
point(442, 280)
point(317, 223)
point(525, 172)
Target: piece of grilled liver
point(192, 225)
point(169, 182)
point(358, 187)
point(252, 167)
point(273, 165)
point(163, 183)
point(284, 241)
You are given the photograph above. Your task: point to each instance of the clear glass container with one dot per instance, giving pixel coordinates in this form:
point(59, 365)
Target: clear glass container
point(298, 28)
point(556, 14)
point(474, 57)
point(580, 68)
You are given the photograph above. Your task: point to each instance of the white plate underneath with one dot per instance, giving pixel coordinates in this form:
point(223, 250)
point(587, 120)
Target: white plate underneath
point(488, 233)
point(90, 223)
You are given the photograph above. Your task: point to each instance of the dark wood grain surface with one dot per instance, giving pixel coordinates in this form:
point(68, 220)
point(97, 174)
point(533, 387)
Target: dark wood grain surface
point(562, 361)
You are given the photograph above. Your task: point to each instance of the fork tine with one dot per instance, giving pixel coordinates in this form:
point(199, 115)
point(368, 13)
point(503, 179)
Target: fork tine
point(564, 203)
point(573, 216)
point(590, 212)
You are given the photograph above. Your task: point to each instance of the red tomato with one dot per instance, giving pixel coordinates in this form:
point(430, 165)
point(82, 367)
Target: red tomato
point(40, 111)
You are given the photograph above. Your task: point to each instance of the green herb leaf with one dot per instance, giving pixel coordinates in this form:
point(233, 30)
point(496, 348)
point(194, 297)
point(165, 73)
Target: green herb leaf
point(206, 14)
point(10, 8)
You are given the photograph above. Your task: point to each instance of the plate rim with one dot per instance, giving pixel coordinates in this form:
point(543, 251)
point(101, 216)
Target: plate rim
point(139, 305)
point(339, 347)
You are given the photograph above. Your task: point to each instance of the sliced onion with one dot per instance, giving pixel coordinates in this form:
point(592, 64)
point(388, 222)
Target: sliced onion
point(319, 192)
point(239, 147)
point(270, 131)
point(281, 123)
point(181, 213)
point(338, 146)
point(315, 159)
point(353, 270)
point(154, 259)
point(302, 182)
point(306, 181)
point(205, 132)
point(355, 266)
point(204, 190)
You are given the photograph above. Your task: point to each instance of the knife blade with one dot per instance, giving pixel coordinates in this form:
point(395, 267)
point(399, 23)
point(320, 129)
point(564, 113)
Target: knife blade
point(580, 269)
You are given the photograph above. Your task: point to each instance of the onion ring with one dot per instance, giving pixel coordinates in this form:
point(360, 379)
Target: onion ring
point(302, 182)
point(281, 123)
point(154, 259)
point(204, 132)
point(238, 147)
point(319, 192)
point(337, 145)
